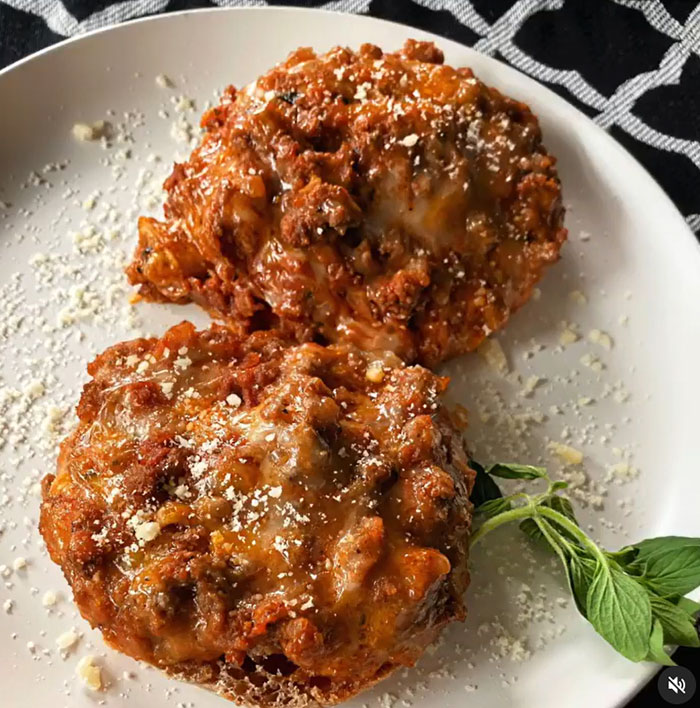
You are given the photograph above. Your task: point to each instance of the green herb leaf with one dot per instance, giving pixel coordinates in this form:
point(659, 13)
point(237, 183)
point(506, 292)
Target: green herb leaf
point(485, 488)
point(651, 546)
point(562, 505)
point(476, 466)
point(581, 572)
point(688, 605)
point(625, 556)
point(678, 625)
point(532, 530)
point(670, 564)
point(633, 597)
point(512, 470)
point(558, 503)
point(493, 507)
point(657, 650)
point(618, 607)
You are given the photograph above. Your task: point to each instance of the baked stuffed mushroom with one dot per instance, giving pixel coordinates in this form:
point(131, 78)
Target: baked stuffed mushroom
point(385, 200)
point(283, 524)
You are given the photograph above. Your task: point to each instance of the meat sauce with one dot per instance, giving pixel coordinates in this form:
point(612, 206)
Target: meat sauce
point(226, 504)
point(385, 200)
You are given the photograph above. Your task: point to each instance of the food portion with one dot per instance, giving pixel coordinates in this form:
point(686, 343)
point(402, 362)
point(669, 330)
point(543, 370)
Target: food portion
point(384, 200)
point(284, 524)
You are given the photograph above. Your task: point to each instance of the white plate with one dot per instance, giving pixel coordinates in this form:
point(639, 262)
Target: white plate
point(640, 262)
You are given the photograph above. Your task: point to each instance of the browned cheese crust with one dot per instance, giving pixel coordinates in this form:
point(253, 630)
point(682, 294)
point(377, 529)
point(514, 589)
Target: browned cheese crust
point(386, 200)
point(286, 525)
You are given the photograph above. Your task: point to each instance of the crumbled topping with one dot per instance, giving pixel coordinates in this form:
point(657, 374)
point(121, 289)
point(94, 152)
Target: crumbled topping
point(50, 599)
point(233, 400)
point(568, 454)
point(602, 338)
point(530, 385)
point(89, 673)
point(493, 354)
point(568, 336)
point(163, 81)
point(147, 531)
point(375, 373)
point(409, 140)
point(87, 132)
point(67, 640)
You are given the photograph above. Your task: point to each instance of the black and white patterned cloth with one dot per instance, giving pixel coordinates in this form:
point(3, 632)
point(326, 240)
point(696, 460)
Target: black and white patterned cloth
point(633, 66)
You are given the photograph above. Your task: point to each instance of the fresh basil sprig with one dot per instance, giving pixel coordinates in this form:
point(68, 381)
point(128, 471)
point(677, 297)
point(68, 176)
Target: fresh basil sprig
point(634, 597)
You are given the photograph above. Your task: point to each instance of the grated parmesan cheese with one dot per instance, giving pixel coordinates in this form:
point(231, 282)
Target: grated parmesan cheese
point(409, 140)
point(568, 336)
point(375, 373)
point(493, 354)
point(67, 640)
point(530, 386)
point(602, 338)
point(569, 455)
point(50, 599)
point(147, 531)
point(88, 132)
point(89, 673)
point(233, 400)
point(164, 81)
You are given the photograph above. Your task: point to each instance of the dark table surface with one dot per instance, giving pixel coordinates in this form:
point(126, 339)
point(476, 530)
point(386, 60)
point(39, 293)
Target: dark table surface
point(633, 66)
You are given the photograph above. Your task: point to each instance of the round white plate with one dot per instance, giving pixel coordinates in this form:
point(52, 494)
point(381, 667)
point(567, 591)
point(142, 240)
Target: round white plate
point(68, 225)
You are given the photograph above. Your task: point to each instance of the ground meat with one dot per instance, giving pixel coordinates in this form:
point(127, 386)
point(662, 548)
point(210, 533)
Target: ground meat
point(382, 199)
point(278, 522)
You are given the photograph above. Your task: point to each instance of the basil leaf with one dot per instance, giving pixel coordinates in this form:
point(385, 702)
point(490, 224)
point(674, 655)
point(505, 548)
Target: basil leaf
point(634, 598)
point(532, 530)
point(688, 605)
point(512, 470)
point(484, 488)
point(560, 504)
point(663, 544)
point(476, 466)
point(657, 651)
point(679, 626)
point(670, 565)
point(581, 572)
point(493, 507)
point(619, 609)
point(625, 556)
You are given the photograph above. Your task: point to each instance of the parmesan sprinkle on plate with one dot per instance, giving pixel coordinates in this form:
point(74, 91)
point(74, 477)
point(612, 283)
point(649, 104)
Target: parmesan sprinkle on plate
point(89, 673)
point(67, 640)
point(569, 455)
